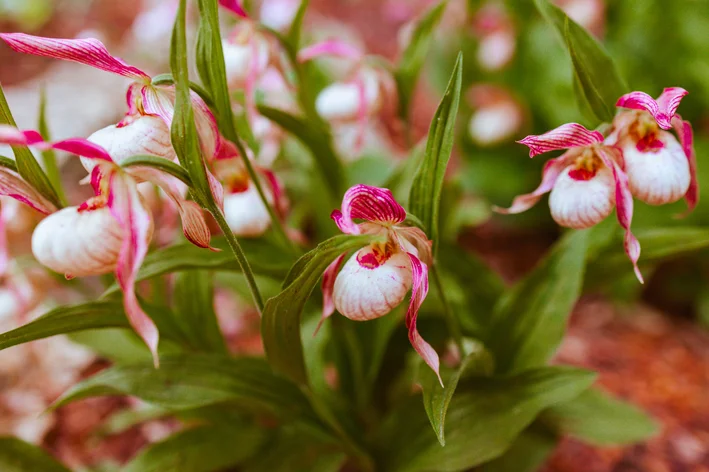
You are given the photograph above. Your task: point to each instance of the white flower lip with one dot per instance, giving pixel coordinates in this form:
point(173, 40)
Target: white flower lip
point(363, 293)
point(341, 101)
point(246, 214)
point(581, 204)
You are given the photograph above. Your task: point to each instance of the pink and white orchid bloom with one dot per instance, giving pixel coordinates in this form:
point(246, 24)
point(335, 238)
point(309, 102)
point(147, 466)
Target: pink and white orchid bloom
point(144, 133)
point(279, 14)
point(585, 182)
point(497, 115)
point(497, 39)
point(111, 231)
point(660, 168)
point(368, 92)
point(377, 277)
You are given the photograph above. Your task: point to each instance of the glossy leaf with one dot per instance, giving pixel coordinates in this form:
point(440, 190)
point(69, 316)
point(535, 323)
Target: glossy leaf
point(318, 140)
point(529, 321)
point(597, 77)
point(484, 418)
point(197, 380)
point(159, 163)
point(280, 323)
point(597, 418)
point(194, 309)
point(27, 165)
point(414, 56)
point(19, 456)
point(436, 399)
point(526, 454)
point(201, 449)
point(49, 156)
point(425, 196)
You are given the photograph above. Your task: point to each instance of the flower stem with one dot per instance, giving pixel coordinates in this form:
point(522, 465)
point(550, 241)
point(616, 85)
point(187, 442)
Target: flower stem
point(240, 256)
point(451, 320)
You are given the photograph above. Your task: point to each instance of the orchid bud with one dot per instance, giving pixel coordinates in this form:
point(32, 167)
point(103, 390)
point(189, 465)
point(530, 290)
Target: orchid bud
point(246, 213)
point(79, 243)
point(497, 116)
point(342, 101)
point(368, 287)
point(147, 135)
point(580, 199)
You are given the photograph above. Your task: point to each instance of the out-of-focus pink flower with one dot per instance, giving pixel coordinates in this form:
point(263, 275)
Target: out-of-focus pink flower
point(497, 115)
point(660, 168)
point(377, 277)
point(586, 182)
point(279, 14)
point(495, 31)
point(590, 14)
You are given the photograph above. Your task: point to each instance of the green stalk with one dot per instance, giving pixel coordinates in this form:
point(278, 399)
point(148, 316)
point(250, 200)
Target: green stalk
point(451, 320)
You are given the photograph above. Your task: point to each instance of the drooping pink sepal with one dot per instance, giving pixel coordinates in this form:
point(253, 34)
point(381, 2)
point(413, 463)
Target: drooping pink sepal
point(686, 138)
point(328, 285)
point(663, 109)
point(84, 51)
point(419, 290)
point(13, 186)
point(551, 172)
point(565, 136)
point(624, 206)
point(235, 7)
point(128, 210)
point(331, 47)
point(372, 204)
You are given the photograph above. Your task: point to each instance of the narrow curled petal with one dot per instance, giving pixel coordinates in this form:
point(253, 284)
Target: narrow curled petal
point(127, 209)
point(564, 137)
point(419, 290)
point(84, 51)
point(417, 242)
point(663, 109)
point(551, 172)
point(372, 204)
point(328, 285)
point(82, 147)
point(235, 7)
point(332, 47)
point(686, 139)
point(15, 137)
point(12, 185)
point(624, 207)
point(4, 255)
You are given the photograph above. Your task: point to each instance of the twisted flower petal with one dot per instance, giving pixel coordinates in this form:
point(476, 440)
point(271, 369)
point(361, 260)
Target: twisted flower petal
point(565, 136)
point(331, 47)
point(419, 290)
point(663, 109)
point(372, 204)
point(686, 139)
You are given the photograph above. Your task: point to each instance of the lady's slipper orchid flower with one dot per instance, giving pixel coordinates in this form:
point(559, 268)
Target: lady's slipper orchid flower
point(497, 116)
point(496, 34)
point(377, 277)
point(144, 99)
point(660, 169)
point(368, 91)
point(110, 231)
point(585, 182)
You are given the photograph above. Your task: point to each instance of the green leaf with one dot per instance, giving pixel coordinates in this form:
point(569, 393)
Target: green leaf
point(425, 196)
point(159, 163)
point(8, 163)
point(595, 73)
point(49, 157)
point(280, 323)
point(265, 259)
point(296, 27)
point(527, 454)
point(597, 418)
point(197, 380)
point(201, 449)
point(529, 321)
point(436, 399)
point(194, 310)
point(64, 320)
point(317, 138)
point(484, 418)
point(658, 244)
point(27, 165)
point(19, 456)
point(414, 56)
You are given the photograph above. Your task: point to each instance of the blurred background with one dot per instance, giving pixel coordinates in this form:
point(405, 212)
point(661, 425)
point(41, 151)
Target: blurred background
point(649, 343)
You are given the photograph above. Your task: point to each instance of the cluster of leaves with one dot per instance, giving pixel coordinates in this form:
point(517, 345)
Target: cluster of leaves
point(503, 406)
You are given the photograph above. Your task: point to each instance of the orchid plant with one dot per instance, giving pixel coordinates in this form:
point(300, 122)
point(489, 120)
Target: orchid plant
point(236, 358)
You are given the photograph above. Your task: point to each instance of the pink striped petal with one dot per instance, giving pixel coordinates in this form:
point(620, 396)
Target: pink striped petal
point(84, 51)
point(235, 7)
point(134, 219)
point(552, 170)
point(565, 136)
point(12, 185)
point(662, 110)
point(686, 138)
point(372, 204)
point(419, 290)
point(624, 206)
point(4, 254)
point(280, 202)
point(82, 147)
point(332, 47)
point(15, 137)
point(328, 285)
point(79, 146)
